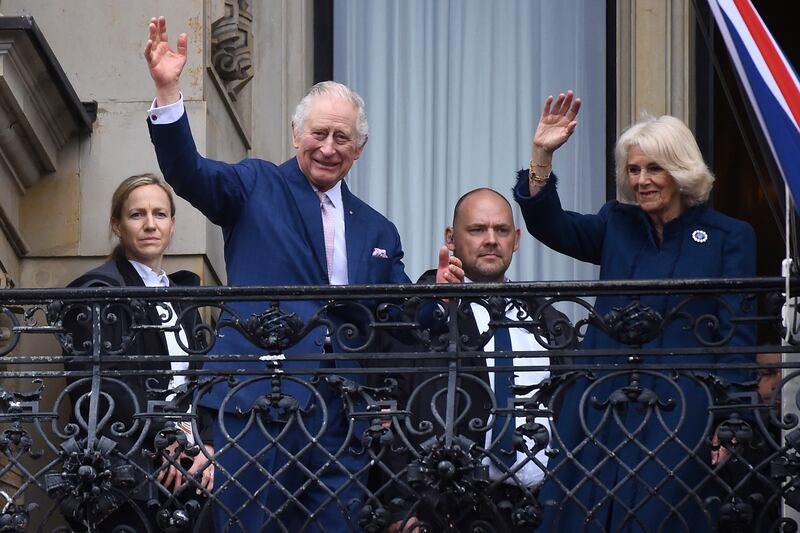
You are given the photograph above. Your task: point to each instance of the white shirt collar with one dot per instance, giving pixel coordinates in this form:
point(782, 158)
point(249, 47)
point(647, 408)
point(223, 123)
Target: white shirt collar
point(334, 194)
point(467, 280)
point(149, 276)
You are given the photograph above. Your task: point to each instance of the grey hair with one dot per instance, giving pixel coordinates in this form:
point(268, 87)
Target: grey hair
point(337, 90)
point(671, 144)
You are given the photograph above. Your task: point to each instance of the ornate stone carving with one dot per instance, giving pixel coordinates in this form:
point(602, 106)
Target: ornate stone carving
point(232, 46)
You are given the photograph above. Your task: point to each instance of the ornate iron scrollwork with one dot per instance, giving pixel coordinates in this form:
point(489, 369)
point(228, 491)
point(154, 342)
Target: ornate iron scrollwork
point(633, 324)
point(424, 420)
point(8, 338)
point(16, 518)
point(93, 482)
point(273, 330)
point(448, 477)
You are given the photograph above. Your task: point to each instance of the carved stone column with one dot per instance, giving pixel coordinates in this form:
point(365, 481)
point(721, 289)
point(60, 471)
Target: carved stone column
point(655, 70)
point(283, 64)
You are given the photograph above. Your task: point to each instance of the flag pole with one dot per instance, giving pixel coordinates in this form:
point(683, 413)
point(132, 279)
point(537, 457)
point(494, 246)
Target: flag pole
point(789, 322)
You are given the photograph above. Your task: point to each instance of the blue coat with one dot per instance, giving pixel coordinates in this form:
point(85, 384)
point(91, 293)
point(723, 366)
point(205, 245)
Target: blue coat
point(621, 239)
point(272, 225)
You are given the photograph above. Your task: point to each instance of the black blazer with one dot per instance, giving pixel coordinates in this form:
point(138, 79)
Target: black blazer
point(131, 396)
point(551, 317)
point(423, 404)
point(468, 330)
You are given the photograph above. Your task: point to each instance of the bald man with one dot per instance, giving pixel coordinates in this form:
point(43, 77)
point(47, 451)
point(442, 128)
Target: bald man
point(484, 237)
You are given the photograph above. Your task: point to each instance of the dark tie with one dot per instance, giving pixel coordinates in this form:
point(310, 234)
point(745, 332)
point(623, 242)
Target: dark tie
point(502, 385)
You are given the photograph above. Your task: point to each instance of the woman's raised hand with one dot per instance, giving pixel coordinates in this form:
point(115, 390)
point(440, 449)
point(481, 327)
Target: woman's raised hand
point(556, 123)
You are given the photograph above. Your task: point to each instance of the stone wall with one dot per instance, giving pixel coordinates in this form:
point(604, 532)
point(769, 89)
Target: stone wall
point(64, 213)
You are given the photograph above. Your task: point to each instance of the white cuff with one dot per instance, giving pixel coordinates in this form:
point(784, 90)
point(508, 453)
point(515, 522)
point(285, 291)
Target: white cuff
point(166, 114)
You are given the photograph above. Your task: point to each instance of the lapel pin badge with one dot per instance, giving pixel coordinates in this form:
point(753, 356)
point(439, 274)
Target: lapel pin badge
point(699, 236)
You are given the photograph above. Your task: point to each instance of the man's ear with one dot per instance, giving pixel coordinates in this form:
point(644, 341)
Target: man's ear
point(361, 148)
point(516, 239)
point(448, 238)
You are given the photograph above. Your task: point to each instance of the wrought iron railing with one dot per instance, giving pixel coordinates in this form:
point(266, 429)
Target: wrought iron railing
point(405, 422)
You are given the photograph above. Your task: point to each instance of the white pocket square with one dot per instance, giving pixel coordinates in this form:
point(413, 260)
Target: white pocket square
point(379, 252)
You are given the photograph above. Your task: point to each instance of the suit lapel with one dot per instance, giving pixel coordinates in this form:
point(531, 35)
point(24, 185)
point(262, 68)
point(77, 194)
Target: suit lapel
point(307, 203)
point(132, 279)
point(355, 225)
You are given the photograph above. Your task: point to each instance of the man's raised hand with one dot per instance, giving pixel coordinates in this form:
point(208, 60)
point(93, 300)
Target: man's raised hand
point(164, 63)
point(449, 269)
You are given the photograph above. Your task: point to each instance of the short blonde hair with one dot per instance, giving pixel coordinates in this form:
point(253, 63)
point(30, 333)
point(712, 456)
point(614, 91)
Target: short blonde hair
point(671, 144)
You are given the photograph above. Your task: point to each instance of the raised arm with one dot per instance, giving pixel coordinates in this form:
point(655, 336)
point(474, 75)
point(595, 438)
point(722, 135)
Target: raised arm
point(554, 129)
point(165, 64)
point(216, 188)
point(579, 236)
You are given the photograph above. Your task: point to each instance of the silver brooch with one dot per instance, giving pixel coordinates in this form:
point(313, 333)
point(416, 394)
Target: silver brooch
point(700, 236)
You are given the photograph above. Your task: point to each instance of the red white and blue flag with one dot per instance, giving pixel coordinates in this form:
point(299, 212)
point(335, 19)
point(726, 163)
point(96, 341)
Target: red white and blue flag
point(769, 80)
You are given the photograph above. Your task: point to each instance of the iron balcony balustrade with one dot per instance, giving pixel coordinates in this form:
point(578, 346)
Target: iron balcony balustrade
point(87, 426)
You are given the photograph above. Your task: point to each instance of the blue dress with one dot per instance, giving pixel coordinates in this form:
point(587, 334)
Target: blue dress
point(639, 457)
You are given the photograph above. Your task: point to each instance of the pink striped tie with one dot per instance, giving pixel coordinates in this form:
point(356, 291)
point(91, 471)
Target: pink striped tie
point(328, 228)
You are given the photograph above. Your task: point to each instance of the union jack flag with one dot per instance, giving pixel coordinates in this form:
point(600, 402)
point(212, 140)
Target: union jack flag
point(769, 81)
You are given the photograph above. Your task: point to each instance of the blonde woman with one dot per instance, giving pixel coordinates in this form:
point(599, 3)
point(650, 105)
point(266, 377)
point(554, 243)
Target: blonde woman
point(143, 219)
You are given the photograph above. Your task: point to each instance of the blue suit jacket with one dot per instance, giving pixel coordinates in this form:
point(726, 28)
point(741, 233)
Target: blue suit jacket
point(620, 238)
point(272, 225)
